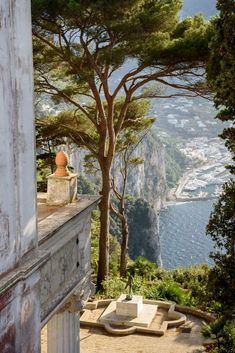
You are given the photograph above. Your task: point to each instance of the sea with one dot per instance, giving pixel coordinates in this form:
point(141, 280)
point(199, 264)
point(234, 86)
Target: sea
point(183, 236)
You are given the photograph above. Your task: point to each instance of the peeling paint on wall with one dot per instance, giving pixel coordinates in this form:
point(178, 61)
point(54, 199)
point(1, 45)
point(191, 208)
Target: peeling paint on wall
point(7, 342)
point(4, 234)
point(8, 324)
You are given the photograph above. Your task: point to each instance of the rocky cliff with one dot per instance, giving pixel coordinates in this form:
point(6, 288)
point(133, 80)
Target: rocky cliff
point(148, 180)
point(147, 185)
point(144, 238)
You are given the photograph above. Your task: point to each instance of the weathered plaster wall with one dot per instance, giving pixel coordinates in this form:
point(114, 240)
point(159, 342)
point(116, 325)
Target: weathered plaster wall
point(19, 318)
point(19, 294)
point(17, 187)
point(68, 267)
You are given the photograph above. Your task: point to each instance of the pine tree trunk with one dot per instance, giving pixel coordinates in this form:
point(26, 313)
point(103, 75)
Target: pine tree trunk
point(103, 266)
point(124, 247)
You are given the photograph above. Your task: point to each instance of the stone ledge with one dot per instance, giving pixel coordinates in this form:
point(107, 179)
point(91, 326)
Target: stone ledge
point(30, 264)
point(184, 309)
point(195, 312)
point(63, 214)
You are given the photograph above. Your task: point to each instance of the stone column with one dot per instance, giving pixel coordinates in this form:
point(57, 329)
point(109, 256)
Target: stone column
point(17, 142)
point(19, 296)
point(63, 333)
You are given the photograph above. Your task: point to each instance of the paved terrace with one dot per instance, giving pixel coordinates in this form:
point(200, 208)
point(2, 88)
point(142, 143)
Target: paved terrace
point(96, 340)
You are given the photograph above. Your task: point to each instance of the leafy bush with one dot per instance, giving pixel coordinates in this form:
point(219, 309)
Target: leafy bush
point(85, 186)
point(142, 267)
point(114, 246)
point(223, 332)
point(165, 290)
point(112, 287)
point(169, 290)
point(186, 276)
point(185, 286)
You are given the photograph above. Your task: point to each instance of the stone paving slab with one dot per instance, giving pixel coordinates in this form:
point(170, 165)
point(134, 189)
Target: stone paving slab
point(95, 340)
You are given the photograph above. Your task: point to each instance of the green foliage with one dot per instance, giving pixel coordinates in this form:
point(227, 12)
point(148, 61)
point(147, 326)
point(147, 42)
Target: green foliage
point(194, 273)
point(224, 335)
point(142, 267)
point(194, 279)
point(221, 66)
point(175, 163)
point(78, 46)
point(164, 290)
point(95, 230)
point(45, 159)
point(112, 287)
point(43, 168)
point(221, 69)
point(145, 29)
point(114, 248)
point(178, 285)
point(169, 290)
point(85, 186)
point(221, 228)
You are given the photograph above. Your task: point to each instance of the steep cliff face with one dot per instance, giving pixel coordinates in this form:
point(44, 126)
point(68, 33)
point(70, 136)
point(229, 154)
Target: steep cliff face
point(144, 238)
point(148, 180)
point(147, 185)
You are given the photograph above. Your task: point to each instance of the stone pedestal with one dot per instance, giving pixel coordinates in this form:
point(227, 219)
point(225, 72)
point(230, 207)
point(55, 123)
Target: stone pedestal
point(63, 333)
point(131, 308)
point(129, 313)
point(61, 190)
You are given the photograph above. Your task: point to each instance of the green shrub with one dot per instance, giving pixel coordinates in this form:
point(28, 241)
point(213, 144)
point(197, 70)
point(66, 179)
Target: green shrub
point(112, 287)
point(223, 333)
point(187, 276)
point(165, 290)
point(142, 267)
point(170, 290)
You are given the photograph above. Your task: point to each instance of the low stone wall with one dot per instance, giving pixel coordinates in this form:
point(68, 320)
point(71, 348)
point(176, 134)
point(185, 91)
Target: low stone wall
point(183, 309)
point(174, 318)
point(195, 312)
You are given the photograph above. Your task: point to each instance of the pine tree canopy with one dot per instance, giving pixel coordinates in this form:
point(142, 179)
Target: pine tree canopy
point(221, 69)
point(81, 40)
point(221, 66)
point(100, 57)
point(147, 30)
point(221, 227)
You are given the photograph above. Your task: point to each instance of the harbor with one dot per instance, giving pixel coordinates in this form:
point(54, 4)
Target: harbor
point(206, 174)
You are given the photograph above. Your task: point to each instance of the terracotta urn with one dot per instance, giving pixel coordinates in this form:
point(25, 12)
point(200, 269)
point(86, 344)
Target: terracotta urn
point(61, 161)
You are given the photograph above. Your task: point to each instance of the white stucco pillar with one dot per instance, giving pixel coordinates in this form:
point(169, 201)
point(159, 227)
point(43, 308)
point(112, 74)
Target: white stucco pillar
point(63, 333)
point(17, 147)
point(19, 294)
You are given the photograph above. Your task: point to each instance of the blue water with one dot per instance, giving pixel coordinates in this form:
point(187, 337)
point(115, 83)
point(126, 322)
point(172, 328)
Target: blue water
point(182, 234)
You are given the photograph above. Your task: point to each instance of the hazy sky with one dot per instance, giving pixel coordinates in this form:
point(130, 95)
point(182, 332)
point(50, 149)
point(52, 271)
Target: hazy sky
point(192, 7)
